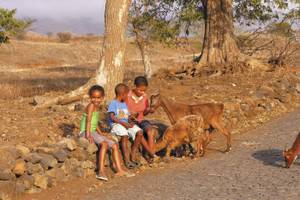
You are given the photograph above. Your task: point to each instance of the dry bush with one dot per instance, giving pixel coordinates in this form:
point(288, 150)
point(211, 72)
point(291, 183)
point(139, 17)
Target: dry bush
point(64, 37)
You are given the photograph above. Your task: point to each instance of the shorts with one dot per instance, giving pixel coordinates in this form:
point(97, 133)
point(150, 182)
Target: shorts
point(144, 125)
point(98, 139)
point(120, 130)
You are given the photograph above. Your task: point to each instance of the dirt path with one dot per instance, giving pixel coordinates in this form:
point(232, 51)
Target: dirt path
point(253, 170)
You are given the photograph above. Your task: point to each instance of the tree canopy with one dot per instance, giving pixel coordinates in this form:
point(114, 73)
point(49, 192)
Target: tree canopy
point(10, 25)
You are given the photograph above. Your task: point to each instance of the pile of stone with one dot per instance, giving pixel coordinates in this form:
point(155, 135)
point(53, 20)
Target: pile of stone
point(31, 170)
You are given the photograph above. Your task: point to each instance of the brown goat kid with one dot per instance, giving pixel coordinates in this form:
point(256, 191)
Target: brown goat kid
point(187, 130)
point(291, 155)
point(211, 113)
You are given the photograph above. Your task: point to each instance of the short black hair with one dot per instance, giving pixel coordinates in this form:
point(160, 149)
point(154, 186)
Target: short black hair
point(96, 88)
point(140, 81)
point(121, 87)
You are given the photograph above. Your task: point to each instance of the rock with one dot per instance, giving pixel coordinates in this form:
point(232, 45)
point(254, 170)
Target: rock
point(34, 168)
point(70, 165)
point(33, 158)
point(87, 165)
point(56, 173)
point(92, 148)
point(79, 107)
point(38, 100)
point(20, 167)
point(68, 143)
point(27, 181)
point(60, 155)
point(20, 187)
point(83, 143)
point(6, 175)
point(40, 181)
point(47, 161)
point(34, 190)
point(8, 156)
point(79, 154)
point(45, 150)
point(23, 150)
point(264, 92)
point(297, 87)
point(4, 196)
point(83, 173)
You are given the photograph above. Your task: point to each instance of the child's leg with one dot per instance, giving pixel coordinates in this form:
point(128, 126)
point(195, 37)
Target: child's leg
point(137, 141)
point(117, 159)
point(124, 146)
point(102, 155)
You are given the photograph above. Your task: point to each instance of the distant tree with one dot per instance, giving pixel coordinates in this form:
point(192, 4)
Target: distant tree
point(10, 26)
point(64, 36)
point(50, 34)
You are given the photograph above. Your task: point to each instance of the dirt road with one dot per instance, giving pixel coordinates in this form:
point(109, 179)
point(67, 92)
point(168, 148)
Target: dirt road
point(253, 170)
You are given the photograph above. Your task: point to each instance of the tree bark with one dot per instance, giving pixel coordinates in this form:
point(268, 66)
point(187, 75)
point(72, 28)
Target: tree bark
point(143, 47)
point(219, 44)
point(111, 69)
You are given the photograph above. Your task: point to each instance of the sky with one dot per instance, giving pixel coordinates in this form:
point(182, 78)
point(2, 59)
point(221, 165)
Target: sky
point(82, 16)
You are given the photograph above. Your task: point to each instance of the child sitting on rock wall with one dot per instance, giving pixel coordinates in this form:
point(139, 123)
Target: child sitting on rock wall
point(90, 130)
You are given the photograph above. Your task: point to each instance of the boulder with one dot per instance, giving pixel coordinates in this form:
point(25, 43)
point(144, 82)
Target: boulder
point(264, 92)
point(33, 158)
point(20, 167)
point(34, 168)
point(45, 150)
point(83, 142)
point(70, 165)
point(56, 173)
point(68, 143)
point(23, 150)
point(79, 154)
point(38, 100)
point(297, 87)
point(40, 181)
point(92, 148)
point(87, 165)
point(47, 161)
point(8, 157)
point(20, 187)
point(6, 175)
point(61, 155)
point(27, 181)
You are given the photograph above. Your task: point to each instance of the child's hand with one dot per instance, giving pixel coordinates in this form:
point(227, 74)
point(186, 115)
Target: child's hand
point(89, 138)
point(128, 125)
point(133, 116)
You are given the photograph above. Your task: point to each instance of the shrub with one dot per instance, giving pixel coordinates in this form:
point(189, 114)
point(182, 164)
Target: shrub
point(64, 36)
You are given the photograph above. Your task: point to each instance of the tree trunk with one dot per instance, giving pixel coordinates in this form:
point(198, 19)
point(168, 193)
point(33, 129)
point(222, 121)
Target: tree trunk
point(143, 47)
point(111, 69)
point(219, 44)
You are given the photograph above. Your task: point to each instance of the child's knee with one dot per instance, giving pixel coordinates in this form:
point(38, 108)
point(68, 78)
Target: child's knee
point(104, 145)
point(115, 147)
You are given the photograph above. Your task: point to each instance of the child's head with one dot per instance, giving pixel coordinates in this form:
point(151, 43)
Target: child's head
point(96, 94)
point(141, 85)
point(121, 91)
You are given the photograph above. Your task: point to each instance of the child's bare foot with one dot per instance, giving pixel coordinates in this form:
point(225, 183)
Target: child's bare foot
point(124, 173)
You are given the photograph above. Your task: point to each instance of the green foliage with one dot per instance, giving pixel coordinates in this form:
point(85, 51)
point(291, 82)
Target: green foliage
point(163, 20)
point(10, 26)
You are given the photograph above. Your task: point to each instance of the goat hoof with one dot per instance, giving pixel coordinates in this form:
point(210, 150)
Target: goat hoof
point(227, 150)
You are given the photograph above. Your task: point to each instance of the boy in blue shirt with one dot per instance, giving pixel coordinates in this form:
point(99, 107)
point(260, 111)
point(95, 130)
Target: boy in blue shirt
point(119, 120)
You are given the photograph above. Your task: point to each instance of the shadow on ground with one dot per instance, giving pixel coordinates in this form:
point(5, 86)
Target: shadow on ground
point(271, 157)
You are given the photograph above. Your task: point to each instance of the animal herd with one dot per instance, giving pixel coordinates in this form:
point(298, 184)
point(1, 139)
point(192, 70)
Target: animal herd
point(192, 124)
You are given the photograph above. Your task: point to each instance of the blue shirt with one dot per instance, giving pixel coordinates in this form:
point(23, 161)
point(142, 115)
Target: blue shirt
point(120, 110)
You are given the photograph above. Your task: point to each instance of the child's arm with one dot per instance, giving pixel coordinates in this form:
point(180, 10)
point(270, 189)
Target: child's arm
point(148, 109)
point(88, 135)
point(116, 120)
point(104, 134)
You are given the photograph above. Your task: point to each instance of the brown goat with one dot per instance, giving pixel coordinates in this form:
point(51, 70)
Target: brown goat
point(291, 155)
point(211, 113)
point(187, 130)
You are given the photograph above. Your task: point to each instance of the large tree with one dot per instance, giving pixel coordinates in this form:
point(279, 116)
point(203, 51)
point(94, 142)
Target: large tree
point(111, 68)
point(219, 42)
point(10, 25)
